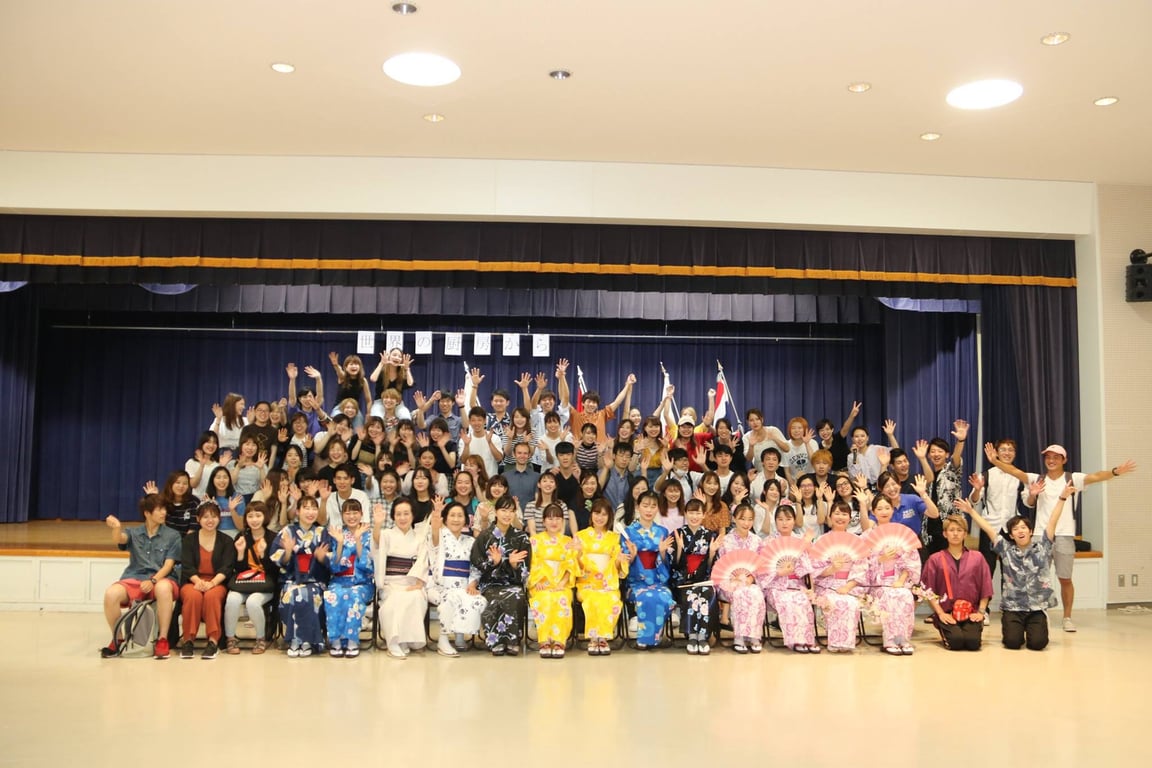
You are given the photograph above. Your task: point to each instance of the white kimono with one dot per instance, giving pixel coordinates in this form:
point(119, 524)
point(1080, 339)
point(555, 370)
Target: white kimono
point(402, 609)
point(447, 587)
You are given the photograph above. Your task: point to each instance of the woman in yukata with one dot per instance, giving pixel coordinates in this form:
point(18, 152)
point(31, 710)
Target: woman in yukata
point(502, 555)
point(649, 571)
point(550, 582)
point(401, 572)
point(892, 573)
point(839, 585)
point(349, 557)
point(786, 593)
point(742, 593)
point(602, 565)
point(453, 583)
point(303, 579)
point(695, 550)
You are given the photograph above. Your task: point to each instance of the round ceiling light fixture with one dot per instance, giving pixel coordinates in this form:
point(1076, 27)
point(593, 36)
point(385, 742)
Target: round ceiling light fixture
point(1055, 38)
point(860, 87)
point(404, 9)
point(1106, 101)
point(985, 94)
point(560, 74)
point(434, 117)
point(283, 68)
point(930, 136)
point(423, 69)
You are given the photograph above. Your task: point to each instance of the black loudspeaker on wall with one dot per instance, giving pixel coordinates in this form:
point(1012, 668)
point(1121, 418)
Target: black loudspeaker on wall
point(1138, 282)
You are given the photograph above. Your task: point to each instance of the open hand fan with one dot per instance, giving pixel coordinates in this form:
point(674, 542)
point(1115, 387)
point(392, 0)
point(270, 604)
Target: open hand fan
point(891, 537)
point(774, 551)
point(828, 546)
point(735, 564)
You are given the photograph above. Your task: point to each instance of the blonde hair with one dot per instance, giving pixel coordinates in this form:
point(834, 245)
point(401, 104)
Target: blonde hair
point(955, 519)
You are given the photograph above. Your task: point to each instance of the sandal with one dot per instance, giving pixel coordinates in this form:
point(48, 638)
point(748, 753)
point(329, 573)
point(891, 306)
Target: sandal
point(893, 650)
point(260, 647)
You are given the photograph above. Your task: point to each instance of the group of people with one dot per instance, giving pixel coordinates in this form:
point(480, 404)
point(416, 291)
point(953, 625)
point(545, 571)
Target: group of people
point(503, 515)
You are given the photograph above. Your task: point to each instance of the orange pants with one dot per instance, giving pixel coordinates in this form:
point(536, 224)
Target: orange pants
point(197, 605)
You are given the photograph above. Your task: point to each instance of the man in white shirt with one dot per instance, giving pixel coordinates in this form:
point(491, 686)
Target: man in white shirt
point(1043, 493)
point(342, 478)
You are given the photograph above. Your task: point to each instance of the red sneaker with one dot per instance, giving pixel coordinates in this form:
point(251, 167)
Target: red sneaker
point(161, 650)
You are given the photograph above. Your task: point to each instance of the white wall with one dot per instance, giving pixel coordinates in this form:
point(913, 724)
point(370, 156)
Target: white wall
point(36, 182)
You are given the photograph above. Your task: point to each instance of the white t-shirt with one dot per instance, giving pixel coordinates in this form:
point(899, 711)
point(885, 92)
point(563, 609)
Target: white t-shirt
point(798, 458)
point(1048, 499)
point(999, 497)
point(335, 502)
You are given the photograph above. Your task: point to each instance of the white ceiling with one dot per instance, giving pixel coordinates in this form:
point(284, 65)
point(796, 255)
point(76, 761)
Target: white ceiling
point(723, 82)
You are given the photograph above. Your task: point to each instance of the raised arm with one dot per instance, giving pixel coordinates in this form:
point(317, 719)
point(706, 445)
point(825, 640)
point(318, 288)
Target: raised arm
point(920, 448)
point(921, 486)
point(625, 392)
point(846, 427)
point(890, 432)
point(523, 382)
point(1108, 474)
point(562, 383)
point(710, 414)
point(379, 369)
point(292, 372)
point(960, 432)
point(1050, 531)
point(1016, 472)
point(969, 509)
point(477, 377)
point(334, 359)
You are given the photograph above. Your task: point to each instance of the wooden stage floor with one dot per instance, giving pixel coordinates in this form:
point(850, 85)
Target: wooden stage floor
point(59, 538)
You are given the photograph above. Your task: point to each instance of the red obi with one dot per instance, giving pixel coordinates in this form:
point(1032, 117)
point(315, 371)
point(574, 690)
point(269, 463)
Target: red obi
point(647, 559)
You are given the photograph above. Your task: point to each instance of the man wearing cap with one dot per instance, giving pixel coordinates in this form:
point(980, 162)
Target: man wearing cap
point(1043, 493)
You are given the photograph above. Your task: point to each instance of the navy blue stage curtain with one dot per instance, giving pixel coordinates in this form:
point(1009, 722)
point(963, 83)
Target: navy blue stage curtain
point(931, 379)
point(1032, 367)
point(18, 349)
point(127, 406)
point(94, 250)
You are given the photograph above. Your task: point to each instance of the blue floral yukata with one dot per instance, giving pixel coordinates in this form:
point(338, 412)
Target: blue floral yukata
point(648, 582)
point(349, 588)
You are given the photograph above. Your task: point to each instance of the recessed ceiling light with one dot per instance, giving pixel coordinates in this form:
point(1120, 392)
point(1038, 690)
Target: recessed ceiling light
point(560, 74)
point(1106, 101)
point(985, 94)
point(426, 69)
point(1055, 38)
point(859, 87)
point(930, 136)
point(434, 117)
point(283, 68)
point(404, 9)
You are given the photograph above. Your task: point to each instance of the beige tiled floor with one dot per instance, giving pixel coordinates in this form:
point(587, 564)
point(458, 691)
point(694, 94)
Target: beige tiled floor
point(1084, 701)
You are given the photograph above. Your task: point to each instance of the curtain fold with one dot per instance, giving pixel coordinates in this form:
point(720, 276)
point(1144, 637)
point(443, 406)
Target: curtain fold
point(19, 317)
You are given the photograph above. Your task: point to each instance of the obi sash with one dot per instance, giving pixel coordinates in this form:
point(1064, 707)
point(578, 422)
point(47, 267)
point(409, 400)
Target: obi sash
point(840, 575)
point(351, 569)
point(398, 566)
point(600, 560)
point(694, 562)
point(647, 559)
point(455, 569)
point(303, 562)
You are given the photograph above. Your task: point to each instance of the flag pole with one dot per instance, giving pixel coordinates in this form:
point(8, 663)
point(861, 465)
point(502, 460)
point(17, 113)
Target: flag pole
point(728, 397)
point(675, 407)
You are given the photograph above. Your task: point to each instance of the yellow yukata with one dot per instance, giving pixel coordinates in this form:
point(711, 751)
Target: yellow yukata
point(598, 586)
point(550, 583)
